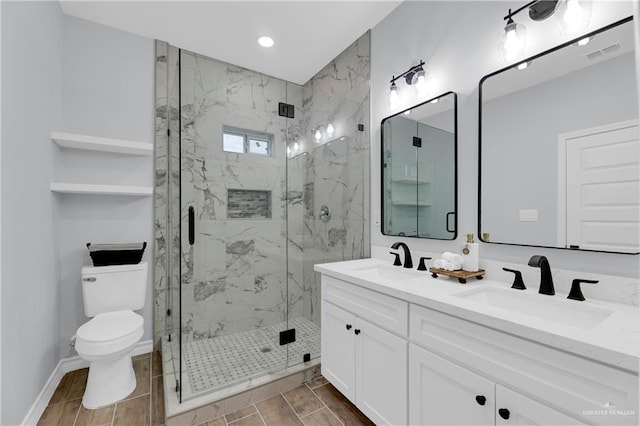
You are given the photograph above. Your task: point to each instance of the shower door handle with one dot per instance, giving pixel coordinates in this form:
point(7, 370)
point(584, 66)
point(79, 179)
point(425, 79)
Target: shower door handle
point(447, 222)
point(192, 226)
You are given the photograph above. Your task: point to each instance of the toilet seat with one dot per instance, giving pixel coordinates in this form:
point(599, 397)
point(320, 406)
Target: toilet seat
point(109, 333)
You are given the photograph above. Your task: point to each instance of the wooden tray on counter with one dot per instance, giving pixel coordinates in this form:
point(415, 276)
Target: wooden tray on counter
point(460, 275)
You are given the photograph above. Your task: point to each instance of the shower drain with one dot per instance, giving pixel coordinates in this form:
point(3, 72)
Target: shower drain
point(265, 350)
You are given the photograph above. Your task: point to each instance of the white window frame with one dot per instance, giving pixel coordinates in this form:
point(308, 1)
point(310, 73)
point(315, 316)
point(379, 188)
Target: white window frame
point(248, 135)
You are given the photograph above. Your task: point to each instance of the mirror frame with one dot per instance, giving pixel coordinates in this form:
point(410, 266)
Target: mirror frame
point(455, 167)
point(531, 58)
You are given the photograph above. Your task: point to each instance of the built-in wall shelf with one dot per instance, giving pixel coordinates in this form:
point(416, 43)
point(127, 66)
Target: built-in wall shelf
point(410, 181)
point(93, 143)
point(83, 188)
point(410, 203)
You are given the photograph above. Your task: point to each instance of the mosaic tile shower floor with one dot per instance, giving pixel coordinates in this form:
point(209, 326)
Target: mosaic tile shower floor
point(222, 361)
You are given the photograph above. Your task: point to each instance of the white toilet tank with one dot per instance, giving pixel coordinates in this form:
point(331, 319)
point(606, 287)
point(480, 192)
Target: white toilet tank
point(114, 288)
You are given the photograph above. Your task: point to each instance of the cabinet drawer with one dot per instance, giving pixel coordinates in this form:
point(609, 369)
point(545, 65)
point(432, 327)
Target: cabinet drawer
point(574, 385)
point(384, 311)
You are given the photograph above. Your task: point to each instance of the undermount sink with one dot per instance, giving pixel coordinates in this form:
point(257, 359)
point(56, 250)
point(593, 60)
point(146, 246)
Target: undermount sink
point(387, 272)
point(550, 308)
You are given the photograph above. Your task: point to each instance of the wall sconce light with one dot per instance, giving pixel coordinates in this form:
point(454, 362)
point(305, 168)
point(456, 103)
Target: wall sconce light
point(512, 42)
point(573, 16)
point(323, 131)
point(415, 76)
point(330, 129)
point(394, 98)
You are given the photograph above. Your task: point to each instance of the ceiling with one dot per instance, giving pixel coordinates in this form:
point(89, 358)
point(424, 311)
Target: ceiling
point(307, 34)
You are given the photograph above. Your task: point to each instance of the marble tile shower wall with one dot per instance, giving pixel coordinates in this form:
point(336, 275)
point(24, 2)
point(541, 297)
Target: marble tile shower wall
point(235, 277)
point(337, 172)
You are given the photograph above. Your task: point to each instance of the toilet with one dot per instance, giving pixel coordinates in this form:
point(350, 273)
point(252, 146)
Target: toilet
point(111, 294)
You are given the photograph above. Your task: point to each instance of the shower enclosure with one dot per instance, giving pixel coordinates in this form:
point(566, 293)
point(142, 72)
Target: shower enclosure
point(257, 180)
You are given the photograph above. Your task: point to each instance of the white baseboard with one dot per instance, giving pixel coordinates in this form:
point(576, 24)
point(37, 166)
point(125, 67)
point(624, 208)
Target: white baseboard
point(64, 366)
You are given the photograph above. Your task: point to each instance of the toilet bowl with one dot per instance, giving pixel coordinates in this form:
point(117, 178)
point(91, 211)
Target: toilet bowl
point(106, 341)
point(110, 295)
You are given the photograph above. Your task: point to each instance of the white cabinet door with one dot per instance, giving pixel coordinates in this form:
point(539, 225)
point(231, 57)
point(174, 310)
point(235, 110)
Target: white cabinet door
point(443, 393)
point(381, 374)
point(513, 408)
point(338, 349)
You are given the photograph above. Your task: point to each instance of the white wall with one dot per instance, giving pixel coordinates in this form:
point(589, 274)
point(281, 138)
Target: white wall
point(108, 90)
point(31, 98)
point(458, 42)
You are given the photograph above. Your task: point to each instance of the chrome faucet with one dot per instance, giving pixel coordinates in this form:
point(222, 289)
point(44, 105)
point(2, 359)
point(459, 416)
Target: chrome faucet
point(546, 280)
point(407, 254)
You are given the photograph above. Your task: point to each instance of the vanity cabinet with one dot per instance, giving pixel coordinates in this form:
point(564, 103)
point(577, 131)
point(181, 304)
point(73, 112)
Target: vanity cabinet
point(537, 384)
point(404, 363)
point(443, 393)
point(363, 360)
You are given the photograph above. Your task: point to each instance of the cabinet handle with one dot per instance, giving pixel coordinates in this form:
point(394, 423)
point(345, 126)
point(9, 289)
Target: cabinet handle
point(348, 326)
point(504, 413)
point(480, 399)
point(357, 331)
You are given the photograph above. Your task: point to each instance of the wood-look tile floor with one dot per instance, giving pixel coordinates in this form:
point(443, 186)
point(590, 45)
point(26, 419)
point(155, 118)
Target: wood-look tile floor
point(316, 403)
point(144, 406)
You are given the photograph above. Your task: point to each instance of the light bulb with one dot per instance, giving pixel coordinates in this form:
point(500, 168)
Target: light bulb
point(512, 41)
point(584, 41)
point(575, 15)
point(296, 146)
point(330, 129)
point(421, 84)
point(318, 135)
point(288, 151)
point(394, 98)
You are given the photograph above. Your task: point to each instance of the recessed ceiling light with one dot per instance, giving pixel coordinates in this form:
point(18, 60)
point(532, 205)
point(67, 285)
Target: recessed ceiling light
point(265, 41)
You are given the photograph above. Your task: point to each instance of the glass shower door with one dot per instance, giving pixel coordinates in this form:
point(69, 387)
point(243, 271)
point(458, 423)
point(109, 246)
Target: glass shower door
point(327, 186)
point(233, 225)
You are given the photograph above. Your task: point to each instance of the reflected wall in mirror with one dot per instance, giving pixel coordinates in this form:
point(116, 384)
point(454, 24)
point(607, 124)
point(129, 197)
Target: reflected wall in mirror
point(559, 147)
point(419, 170)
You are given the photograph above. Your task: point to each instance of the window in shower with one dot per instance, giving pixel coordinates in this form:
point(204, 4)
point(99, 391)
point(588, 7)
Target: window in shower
point(246, 141)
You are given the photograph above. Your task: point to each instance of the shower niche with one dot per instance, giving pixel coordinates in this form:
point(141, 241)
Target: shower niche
point(236, 229)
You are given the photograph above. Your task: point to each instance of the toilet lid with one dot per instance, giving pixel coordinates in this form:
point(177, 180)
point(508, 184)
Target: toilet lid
point(110, 325)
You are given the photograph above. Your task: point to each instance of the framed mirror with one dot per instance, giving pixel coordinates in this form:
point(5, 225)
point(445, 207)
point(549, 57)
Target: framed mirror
point(558, 153)
point(419, 155)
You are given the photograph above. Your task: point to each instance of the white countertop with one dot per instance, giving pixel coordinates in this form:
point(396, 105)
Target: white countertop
point(615, 341)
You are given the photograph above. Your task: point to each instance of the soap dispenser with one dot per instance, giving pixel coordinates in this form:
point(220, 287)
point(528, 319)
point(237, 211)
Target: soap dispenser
point(471, 255)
